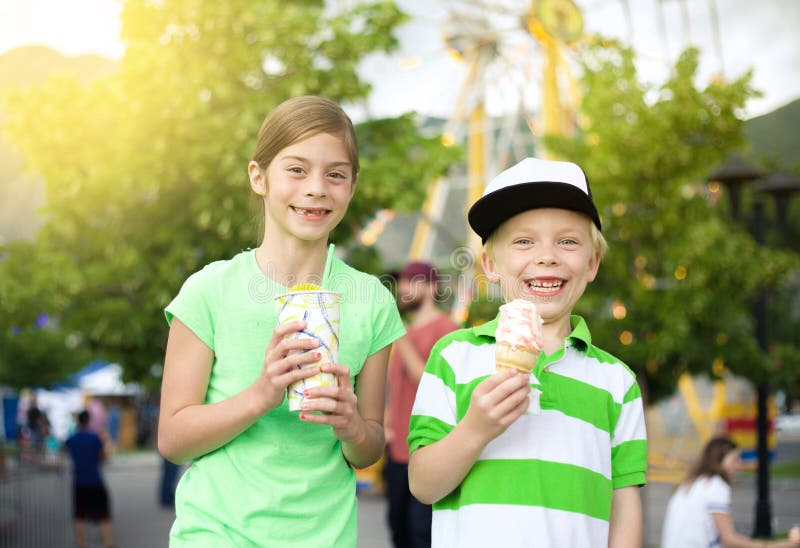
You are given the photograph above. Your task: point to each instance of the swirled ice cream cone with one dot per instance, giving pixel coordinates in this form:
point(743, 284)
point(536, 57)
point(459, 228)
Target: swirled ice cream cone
point(518, 336)
point(516, 357)
point(519, 342)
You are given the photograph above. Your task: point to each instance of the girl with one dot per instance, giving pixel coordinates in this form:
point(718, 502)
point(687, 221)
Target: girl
point(262, 475)
point(698, 514)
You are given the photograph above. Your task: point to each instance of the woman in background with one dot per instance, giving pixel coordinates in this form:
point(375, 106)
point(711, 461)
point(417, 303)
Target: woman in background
point(698, 514)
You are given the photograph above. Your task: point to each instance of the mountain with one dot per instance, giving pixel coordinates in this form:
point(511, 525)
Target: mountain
point(22, 195)
point(774, 138)
point(29, 65)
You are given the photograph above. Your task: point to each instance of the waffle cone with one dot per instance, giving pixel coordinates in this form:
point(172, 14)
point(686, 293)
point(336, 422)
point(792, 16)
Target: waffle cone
point(523, 359)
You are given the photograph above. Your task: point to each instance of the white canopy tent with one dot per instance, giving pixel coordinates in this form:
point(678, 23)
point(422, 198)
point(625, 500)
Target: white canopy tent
point(98, 378)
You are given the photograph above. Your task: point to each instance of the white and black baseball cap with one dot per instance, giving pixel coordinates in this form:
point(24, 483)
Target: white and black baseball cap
point(532, 184)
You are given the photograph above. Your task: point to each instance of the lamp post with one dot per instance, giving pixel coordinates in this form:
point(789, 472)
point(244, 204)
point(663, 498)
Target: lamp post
point(733, 174)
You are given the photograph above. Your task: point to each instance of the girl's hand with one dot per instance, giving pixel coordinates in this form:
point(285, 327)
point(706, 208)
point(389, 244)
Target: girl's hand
point(338, 404)
point(496, 403)
point(794, 535)
point(280, 369)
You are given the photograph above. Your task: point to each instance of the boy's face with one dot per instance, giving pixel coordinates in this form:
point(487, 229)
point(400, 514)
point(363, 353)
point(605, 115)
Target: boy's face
point(545, 256)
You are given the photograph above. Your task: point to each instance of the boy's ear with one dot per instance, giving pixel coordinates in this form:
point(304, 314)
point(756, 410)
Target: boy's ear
point(258, 179)
point(594, 266)
point(489, 267)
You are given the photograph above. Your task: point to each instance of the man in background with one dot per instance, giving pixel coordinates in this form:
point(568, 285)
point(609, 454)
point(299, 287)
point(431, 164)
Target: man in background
point(409, 519)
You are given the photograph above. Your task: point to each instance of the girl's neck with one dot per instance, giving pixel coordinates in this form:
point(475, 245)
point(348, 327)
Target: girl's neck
point(293, 262)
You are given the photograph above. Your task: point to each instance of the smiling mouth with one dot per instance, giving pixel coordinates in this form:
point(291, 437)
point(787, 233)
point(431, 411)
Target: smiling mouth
point(545, 287)
point(314, 213)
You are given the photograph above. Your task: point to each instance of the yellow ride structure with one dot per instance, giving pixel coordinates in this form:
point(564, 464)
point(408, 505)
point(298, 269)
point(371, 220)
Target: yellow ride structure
point(552, 29)
point(472, 35)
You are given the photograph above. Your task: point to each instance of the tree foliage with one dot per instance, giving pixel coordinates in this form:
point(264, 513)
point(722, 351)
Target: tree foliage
point(34, 350)
point(680, 275)
point(146, 169)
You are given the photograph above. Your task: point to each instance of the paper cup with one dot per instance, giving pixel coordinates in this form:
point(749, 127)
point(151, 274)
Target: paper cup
point(320, 310)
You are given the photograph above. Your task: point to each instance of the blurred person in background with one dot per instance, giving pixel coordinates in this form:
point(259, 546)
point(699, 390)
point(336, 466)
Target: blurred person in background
point(98, 422)
point(34, 428)
point(114, 420)
point(37, 425)
point(698, 514)
point(168, 483)
point(409, 519)
point(89, 494)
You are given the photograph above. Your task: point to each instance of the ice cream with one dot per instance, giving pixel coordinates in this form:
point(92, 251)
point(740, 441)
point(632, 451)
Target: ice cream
point(518, 336)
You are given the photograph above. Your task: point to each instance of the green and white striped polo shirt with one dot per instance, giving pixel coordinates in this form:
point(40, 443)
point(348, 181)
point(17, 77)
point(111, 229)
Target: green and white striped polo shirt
point(548, 479)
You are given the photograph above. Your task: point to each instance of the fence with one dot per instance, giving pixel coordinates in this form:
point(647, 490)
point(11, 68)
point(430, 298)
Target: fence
point(35, 504)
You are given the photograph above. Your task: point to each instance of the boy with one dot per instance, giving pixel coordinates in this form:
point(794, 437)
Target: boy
point(89, 495)
point(568, 476)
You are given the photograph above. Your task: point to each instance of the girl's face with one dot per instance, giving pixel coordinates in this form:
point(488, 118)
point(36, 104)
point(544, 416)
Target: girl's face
point(307, 187)
point(546, 256)
point(731, 462)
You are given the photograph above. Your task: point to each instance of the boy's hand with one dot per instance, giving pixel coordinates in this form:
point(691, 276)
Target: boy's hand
point(496, 403)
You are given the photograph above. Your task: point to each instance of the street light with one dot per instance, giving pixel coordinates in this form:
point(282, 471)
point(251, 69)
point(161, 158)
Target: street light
point(733, 174)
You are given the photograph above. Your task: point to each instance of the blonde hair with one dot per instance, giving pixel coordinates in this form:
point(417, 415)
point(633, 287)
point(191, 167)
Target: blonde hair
point(296, 119)
point(599, 244)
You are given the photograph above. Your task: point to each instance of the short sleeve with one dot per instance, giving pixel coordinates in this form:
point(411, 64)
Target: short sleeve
point(434, 414)
point(194, 305)
point(719, 496)
point(385, 318)
point(629, 441)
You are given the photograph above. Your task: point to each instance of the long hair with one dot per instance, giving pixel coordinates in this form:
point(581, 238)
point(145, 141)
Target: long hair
point(710, 462)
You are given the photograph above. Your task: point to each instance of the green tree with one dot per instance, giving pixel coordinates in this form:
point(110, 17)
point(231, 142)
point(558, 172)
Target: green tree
point(674, 293)
point(34, 349)
point(146, 169)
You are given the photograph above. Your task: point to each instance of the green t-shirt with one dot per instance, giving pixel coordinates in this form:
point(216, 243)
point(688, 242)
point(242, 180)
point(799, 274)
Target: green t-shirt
point(282, 482)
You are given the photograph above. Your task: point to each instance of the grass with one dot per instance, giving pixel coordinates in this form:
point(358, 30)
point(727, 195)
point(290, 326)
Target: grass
point(789, 469)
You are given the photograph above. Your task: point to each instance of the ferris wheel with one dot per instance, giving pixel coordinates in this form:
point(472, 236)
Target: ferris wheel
point(515, 54)
point(515, 50)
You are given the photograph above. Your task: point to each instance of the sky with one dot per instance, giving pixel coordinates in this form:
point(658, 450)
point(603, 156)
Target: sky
point(420, 76)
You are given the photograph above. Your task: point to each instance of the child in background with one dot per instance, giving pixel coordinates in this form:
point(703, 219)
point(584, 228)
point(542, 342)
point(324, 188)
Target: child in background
point(262, 475)
point(570, 475)
point(89, 494)
point(698, 514)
